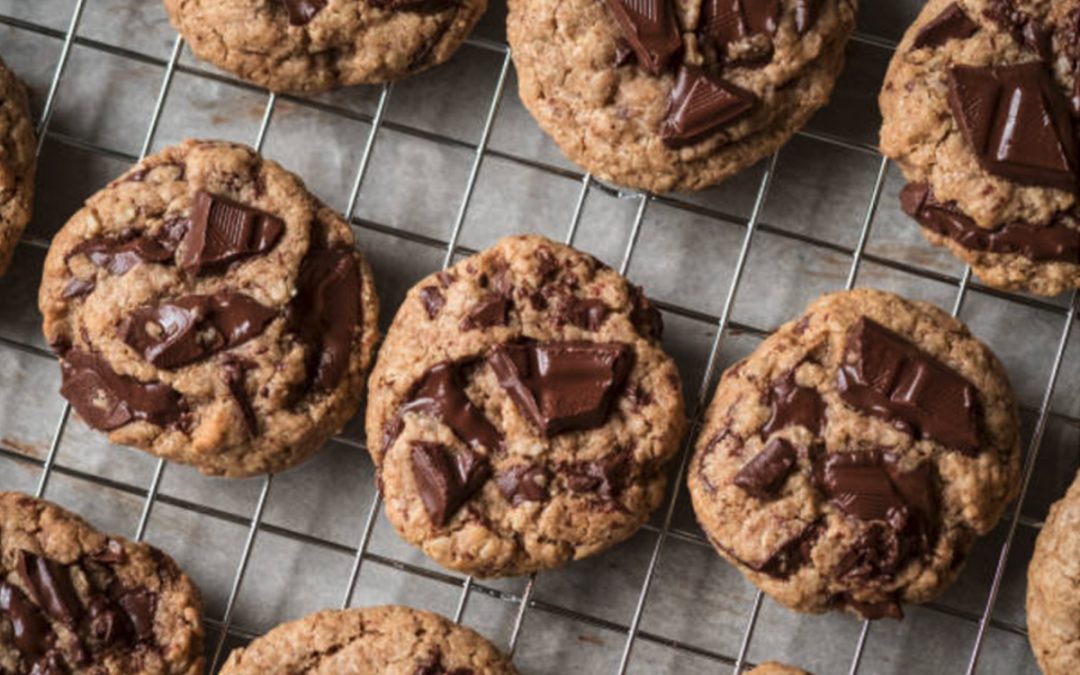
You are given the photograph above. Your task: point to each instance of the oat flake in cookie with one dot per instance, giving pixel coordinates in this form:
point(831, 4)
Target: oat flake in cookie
point(73, 600)
point(981, 110)
point(17, 163)
point(852, 459)
point(388, 640)
point(522, 410)
point(675, 94)
point(315, 45)
point(208, 309)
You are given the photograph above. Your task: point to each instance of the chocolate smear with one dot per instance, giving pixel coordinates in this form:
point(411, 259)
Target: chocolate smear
point(700, 104)
point(224, 231)
point(108, 400)
point(301, 12)
point(563, 386)
point(793, 405)
point(886, 376)
point(441, 393)
point(764, 475)
point(651, 29)
point(445, 479)
point(523, 483)
point(952, 24)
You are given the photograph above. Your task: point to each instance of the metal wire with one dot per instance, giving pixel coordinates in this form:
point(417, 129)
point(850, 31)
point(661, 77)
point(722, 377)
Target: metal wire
point(722, 323)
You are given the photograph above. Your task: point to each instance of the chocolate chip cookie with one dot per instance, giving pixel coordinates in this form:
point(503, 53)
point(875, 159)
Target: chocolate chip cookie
point(315, 45)
point(522, 410)
point(1053, 608)
point(73, 600)
point(982, 108)
point(675, 94)
point(853, 458)
point(208, 309)
point(17, 162)
point(393, 640)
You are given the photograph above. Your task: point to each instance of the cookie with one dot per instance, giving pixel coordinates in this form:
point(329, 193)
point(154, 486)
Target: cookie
point(522, 410)
point(208, 309)
point(315, 45)
point(668, 95)
point(390, 640)
point(775, 668)
point(981, 109)
point(75, 600)
point(1053, 609)
point(853, 458)
point(18, 159)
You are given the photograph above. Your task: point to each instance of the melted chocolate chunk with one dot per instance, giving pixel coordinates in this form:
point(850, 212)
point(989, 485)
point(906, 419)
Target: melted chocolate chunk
point(49, 585)
point(651, 29)
point(433, 300)
point(806, 15)
point(140, 605)
point(645, 317)
point(764, 475)
point(119, 254)
point(794, 405)
point(1023, 27)
point(325, 313)
point(1050, 241)
point(700, 104)
point(585, 314)
point(76, 288)
point(108, 400)
point(727, 21)
point(523, 483)
point(441, 393)
point(191, 328)
point(31, 633)
point(492, 309)
point(1017, 122)
point(223, 232)
point(790, 556)
point(886, 376)
point(563, 386)
point(235, 379)
point(301, 12)
point(445, 479)
point(952, 24)
point(604, 477)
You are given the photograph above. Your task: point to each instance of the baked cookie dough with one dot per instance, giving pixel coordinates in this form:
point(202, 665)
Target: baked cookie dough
point(315, 45)
point(669, 95)
point(522, 410)
point(388, 640)
point(981, 109)
point(852, 459)
point(75, 600)
point(208, 309)
point(775, 668)
point(1053, 608)
point(18, 158)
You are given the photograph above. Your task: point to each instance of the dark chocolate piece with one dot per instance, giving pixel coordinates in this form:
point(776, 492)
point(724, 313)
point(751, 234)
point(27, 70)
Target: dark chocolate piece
point(886, 376)
point(523, 483)
point(491, 310)
point(223, 231)
point(563, 386)
point(1024, 28)
point(76, 288)
point(605, 477)
point(118, 254)
point(700, 104)
point(31, 633)
point(191, 328)
point(790, 556)
point(49, 585)
point(301, 12)
point(441, 393)
point(764, 475)
point(794, 405)
point(952, 24)
point(235, 379)
point(108, 400)
point(1051, 241)
point(1017, 122)
point(433, 300)
point(727, 21)
point(585, 314)
point(325, 313)
point(651, 29)
point(445, 479)
point(806, 15)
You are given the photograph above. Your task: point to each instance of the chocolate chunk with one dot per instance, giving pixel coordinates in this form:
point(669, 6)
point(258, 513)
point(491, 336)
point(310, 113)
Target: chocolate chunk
point(223, 231)
point(700, 104)
point(1024, 28)
point(31, 633)
point(235, 379)
point(877, 553)
point(645, 317)
point(1017, 122)
point(445, 479)
point(433, 300)
point(301, 12)
point(858, 484)
point(1040, 242)
point(108, 400)
point(952, 24)
point(119, 254)
point(491, 310)
point(790, 556)
point(325, 313)
point(140, 605)
point(563, 386)
point(585, 314)
point(76, 288)
point(441, 393)
point(523, 483)
point(190, 328)
point(603, 477)
point(764, 475)
point(109, 625)
point(794, 405)
point(886, 376)
point(806, 15)
point(49, 585)
point(651, 29)
point(727, 21)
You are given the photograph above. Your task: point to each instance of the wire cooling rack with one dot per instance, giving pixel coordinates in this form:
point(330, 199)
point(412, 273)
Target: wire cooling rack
point(639, 642)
